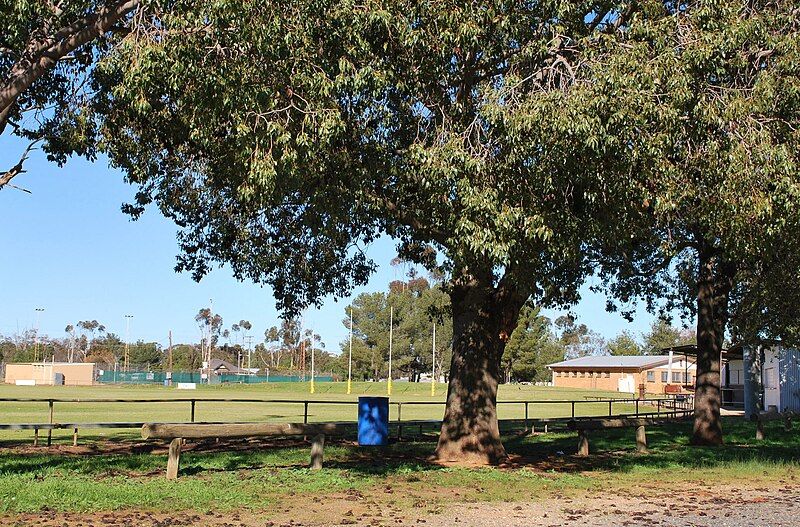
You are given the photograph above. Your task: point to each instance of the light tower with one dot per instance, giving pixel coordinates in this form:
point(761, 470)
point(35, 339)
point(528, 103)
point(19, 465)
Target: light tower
point(125, 363)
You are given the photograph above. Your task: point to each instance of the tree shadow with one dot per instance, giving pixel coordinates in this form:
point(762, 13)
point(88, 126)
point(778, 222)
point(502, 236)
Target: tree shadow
point(611, 450)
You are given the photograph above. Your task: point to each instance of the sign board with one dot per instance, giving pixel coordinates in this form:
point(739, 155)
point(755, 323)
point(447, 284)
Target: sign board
point(187, 386)
point(25, 382)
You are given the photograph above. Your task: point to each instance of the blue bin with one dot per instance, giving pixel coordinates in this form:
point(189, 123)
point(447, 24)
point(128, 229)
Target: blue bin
point(373, 421)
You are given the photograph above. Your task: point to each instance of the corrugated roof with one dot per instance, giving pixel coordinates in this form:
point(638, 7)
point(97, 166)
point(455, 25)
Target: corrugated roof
point(612, 361)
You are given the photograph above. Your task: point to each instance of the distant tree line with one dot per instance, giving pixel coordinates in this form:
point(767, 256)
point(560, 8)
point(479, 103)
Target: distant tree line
point(416, 304)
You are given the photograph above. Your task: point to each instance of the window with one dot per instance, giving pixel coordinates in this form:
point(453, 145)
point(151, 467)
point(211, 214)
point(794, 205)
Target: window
point(664, 377)
point(651, 376)
point(607, 375)
point(677, 377)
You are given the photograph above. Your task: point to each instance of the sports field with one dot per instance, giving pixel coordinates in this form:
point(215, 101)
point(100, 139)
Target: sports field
point(324, 404)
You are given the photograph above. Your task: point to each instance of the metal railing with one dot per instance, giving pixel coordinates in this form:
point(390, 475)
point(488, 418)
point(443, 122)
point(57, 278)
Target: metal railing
point(641, 407)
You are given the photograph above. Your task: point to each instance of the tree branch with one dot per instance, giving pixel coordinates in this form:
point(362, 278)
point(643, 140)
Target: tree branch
point(5, 179)
point(42, 55)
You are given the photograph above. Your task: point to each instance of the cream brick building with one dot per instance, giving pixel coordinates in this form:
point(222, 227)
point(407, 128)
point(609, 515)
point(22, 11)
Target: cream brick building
point(657, 374)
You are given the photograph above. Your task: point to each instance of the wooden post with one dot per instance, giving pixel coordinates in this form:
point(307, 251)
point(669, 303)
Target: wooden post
point(399, 421)
point(50, 430)
point(305, 412)
point(573, 409)
point(641, 439)
point(759, 429)
point(609, 408)
point(75, 436)
point(192, 416)
point(174, 459)
point(637, 407)
point(583, 443)
point(317, 447)
point(526, 416)
point(35, 437)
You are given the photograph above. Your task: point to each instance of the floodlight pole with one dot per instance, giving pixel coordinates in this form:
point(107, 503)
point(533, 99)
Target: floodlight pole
point(391, 334)
point(210, 339)
point(36, 346)
point(127, 340)
point(433, 362)
point(312, 367)
point(350, 356)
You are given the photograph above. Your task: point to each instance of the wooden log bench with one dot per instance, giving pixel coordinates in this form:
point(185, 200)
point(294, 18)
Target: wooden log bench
point(49, 427)
point(584, 426)
point(176, 433)
point(761, 418)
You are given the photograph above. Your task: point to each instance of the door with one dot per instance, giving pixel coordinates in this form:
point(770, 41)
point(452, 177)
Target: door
point(772, 392)
point(626, 384)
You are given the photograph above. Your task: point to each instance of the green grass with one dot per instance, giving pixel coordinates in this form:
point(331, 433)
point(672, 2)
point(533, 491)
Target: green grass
point(262, 478)
point(87, 411)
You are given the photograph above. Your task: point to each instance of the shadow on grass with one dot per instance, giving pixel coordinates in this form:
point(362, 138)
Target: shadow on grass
point(611, 450)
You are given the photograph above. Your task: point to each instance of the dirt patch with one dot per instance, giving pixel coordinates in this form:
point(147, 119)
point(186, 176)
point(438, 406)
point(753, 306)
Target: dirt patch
point(776, 504)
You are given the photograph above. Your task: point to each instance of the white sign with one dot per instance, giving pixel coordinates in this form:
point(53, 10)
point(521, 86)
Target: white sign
point(187, 386)
point(25, 382)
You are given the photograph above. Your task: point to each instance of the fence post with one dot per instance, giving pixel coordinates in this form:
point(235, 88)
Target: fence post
point(658, 406)
point(50, 430)
point(637, 407)
point(526, 416)
point(573, 409)
point(305, 412)
point(192, 416)
point(399, 421)
point(609, 408)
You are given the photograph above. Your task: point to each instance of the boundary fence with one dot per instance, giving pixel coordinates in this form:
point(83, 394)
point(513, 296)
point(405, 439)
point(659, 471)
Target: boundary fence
point(664, 407)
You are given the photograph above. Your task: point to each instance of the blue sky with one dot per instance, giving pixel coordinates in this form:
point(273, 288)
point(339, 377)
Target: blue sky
point(68, 249)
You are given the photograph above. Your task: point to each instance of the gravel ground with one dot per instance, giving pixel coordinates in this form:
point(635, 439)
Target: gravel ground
point(728, 507)
point(683, 506)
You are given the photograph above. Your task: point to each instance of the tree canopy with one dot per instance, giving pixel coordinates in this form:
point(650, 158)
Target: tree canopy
point(511, 148)
point(708, 94)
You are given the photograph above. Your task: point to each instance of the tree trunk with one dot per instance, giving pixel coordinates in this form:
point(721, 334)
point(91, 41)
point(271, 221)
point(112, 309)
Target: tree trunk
point(713, 286)
point(483, 319)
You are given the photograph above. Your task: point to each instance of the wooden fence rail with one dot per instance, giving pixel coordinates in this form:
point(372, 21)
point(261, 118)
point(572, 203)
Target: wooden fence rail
point(661, 407)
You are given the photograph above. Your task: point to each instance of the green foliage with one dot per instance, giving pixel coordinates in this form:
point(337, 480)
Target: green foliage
point(282, 143)
point(413, 306)
point(624, 344)
point(663, 335)
point(49, 51)
point(707, 101)
point(531, 348)
point(577, 339)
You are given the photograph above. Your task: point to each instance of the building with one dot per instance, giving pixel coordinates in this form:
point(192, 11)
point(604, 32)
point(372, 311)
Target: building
point(771, 378)
point(220, 367)
point(654, 374)
point(51, 373)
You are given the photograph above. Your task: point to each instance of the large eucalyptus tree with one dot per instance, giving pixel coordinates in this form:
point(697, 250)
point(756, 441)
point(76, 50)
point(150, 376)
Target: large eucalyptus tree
point(706, 97)
point(285, 137)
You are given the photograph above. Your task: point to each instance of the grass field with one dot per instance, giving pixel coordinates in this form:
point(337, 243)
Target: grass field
point(272, 481)
point(323, 407)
